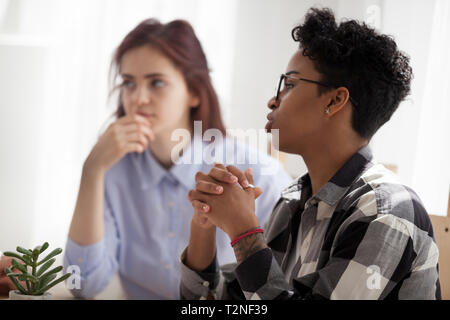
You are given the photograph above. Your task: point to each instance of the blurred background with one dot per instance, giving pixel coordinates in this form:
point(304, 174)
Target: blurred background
point(54, 63)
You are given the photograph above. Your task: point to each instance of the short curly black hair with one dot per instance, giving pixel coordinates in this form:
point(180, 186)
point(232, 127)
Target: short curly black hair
point(355, 56)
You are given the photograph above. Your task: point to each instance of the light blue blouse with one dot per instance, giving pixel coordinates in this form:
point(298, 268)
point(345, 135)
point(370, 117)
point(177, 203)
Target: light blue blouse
point(147, 219)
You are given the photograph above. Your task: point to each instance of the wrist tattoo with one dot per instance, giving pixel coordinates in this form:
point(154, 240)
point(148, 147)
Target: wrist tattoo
point(249, 245)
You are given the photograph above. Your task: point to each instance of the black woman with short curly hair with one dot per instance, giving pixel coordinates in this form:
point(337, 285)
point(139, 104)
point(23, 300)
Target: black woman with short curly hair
point(348, 229)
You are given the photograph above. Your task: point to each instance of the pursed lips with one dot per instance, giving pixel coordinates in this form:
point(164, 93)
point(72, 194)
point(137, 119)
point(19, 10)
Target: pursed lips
point(270, 119)
point(146, 115)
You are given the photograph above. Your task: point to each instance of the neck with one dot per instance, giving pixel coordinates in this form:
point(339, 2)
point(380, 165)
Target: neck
point(162, 147)
point(323, 161)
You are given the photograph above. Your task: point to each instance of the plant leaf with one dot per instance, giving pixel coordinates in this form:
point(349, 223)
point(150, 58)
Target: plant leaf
point(24, 251)
point(36, 253)
point(64, 277)
point(43, 282)
point(25, 277)
point(44, 247)
point(16, 264)
point(14, 255)
point(27, 260)
point(16, 283)
point(45, 267)
point(54, 270)
point(50, 255)
point(13, 274)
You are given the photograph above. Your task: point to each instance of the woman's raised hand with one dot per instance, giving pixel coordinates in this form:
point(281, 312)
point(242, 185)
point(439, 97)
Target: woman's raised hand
point(131, 133)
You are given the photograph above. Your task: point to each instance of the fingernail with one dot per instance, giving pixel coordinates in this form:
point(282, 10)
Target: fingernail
point(205, 208)
point(233, 179)
point(219, 189)
point(245, 183)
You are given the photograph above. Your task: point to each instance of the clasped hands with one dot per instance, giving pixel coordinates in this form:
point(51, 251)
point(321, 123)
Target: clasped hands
point(223, 198)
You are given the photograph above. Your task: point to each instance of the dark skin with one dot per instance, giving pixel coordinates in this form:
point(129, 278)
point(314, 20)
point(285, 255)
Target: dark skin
point(316, 127)
point(222, 184)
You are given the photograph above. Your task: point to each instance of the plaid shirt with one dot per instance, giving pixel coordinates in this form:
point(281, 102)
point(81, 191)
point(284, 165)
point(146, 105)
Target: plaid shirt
point(363, 235)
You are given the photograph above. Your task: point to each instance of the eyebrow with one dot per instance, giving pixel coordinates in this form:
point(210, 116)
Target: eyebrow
point(150, 75)
point(292, 72)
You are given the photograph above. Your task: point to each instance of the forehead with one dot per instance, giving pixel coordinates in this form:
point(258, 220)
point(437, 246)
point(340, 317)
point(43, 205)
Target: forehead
point(145, 59)
point(301, 64)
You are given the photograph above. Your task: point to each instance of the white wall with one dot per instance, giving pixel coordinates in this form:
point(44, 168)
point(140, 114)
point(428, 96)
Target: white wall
point(423, 166)
point(23, 101)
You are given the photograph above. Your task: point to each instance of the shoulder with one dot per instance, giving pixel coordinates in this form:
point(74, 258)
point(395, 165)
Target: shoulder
point(379, 196)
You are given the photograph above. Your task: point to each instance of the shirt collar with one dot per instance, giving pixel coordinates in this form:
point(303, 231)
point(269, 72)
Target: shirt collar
point(338, 185)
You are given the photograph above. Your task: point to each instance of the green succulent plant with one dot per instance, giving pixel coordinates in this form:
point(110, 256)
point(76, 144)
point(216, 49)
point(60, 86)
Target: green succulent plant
point(39, 280)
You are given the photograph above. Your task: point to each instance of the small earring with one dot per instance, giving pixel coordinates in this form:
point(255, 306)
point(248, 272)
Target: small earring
point(327, 111)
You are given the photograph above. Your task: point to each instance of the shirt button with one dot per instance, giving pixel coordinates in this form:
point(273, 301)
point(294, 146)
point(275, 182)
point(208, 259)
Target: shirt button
point(167, 267)
point(171, 234)
point(171, 204)
point(80, 260)
point(206, 283)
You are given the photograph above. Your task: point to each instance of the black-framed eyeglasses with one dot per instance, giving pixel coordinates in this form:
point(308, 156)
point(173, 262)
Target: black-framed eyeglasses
point(283, 76)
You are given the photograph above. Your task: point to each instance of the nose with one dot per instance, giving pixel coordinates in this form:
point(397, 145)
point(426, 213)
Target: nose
point(142, 96)
point(273, 103)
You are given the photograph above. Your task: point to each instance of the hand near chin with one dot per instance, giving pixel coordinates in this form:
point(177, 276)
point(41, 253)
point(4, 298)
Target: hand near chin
point(223, 198)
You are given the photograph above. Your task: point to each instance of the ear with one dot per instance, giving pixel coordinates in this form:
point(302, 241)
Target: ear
point(337, 101)
point(194, 100)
